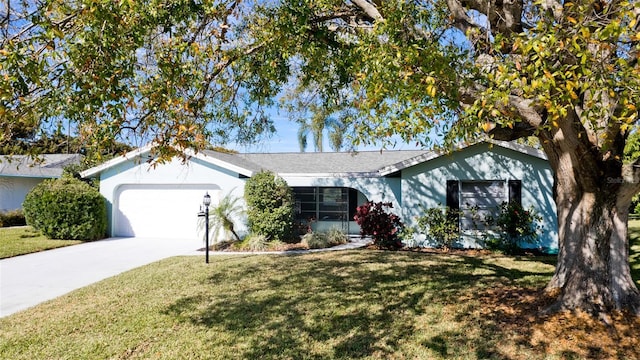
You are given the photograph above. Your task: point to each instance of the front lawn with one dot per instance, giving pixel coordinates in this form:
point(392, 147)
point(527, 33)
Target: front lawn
point(349, 304)
point(22, 240)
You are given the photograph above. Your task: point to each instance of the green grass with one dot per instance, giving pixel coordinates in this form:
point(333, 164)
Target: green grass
point(22, 240)
point(634, 257)
point(350, 304)
point(343, 305)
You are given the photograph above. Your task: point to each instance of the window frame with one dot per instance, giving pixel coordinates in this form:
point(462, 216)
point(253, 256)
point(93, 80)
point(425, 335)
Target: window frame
point(324, 203)
point(489, 207)
point(512, 193)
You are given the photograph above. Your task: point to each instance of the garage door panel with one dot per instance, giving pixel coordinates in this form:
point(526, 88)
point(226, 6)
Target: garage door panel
point(163, 211)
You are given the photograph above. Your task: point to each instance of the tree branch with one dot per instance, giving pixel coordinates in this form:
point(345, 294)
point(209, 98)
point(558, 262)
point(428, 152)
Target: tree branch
point(554, 7)
point(369, 8)
point(530, 117)
point(503, 16)
point(221, 66)
point(461, 20)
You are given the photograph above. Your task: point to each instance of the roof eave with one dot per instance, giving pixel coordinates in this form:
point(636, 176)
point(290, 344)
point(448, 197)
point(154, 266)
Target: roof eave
point(97, 170)
point(217, 162)
point(388, 170)
point(324, 175)
point(524, 149)
point(527, 150)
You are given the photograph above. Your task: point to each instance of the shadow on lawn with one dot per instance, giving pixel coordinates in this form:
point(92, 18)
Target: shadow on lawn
point(357, 304)
point(634, 254)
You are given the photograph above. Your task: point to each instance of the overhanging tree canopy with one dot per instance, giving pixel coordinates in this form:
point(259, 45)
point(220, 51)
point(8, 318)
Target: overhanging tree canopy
point(186, 72)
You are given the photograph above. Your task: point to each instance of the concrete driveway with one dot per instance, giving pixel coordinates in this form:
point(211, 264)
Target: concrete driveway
point(28, 280)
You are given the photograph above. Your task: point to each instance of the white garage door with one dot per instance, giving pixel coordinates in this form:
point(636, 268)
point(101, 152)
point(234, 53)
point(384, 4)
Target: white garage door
point(163, 211)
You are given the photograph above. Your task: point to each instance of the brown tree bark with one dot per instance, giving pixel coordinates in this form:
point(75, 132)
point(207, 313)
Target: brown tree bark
point(593, 271)
point(593, 195)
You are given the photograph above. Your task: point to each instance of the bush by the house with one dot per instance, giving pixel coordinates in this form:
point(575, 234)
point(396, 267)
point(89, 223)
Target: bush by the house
point(321, 240)
point(517, 225)
point(255, 242)
point(269, 206)
point(336, 237)
point(315, 240)
point(383, 227)
point(66, 208)
point(12, 218)
point(440, 224)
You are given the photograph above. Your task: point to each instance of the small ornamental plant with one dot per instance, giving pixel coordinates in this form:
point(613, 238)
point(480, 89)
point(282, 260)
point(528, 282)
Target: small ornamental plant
point(517, 225)
point(383, 227)
point(440, 225)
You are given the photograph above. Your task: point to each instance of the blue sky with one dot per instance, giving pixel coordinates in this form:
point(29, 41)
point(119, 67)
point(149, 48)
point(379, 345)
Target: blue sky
point(286, 140)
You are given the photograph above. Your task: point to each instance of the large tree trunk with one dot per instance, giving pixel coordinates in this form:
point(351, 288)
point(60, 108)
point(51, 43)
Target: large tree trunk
point(592, 199)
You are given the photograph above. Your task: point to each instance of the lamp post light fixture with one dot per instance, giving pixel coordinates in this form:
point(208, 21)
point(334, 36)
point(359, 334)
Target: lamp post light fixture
point(206, 201)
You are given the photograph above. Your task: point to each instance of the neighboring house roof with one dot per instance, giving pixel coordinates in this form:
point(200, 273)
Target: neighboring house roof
point(362, 163)
point(42, 166)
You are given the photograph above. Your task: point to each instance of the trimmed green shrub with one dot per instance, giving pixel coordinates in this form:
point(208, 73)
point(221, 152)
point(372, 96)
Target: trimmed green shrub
point(269, 206)
point(12, 218)
point(517, 226)
point(66, 208)
point(440, 225)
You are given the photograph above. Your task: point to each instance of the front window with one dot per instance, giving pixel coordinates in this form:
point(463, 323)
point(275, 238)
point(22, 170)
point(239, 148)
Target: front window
point(480, 200)
point(325, 203)
point(333, 204)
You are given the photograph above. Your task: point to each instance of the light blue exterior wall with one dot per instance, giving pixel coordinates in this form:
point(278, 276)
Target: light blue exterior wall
point(13, 190)
point(424, 185)
point(195, 173)
point(419, 186)
point(370, 188)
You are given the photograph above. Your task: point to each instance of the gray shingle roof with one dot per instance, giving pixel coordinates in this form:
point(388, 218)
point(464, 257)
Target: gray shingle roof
point(234, 159)
point(44, 166)
point(363, 162)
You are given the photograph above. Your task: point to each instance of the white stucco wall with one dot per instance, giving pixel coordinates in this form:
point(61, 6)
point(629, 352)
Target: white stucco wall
point(13, 191)
point(425, 184)
point(194, 174)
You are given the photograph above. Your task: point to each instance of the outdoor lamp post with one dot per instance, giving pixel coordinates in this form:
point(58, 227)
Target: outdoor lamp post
point(206, 201)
